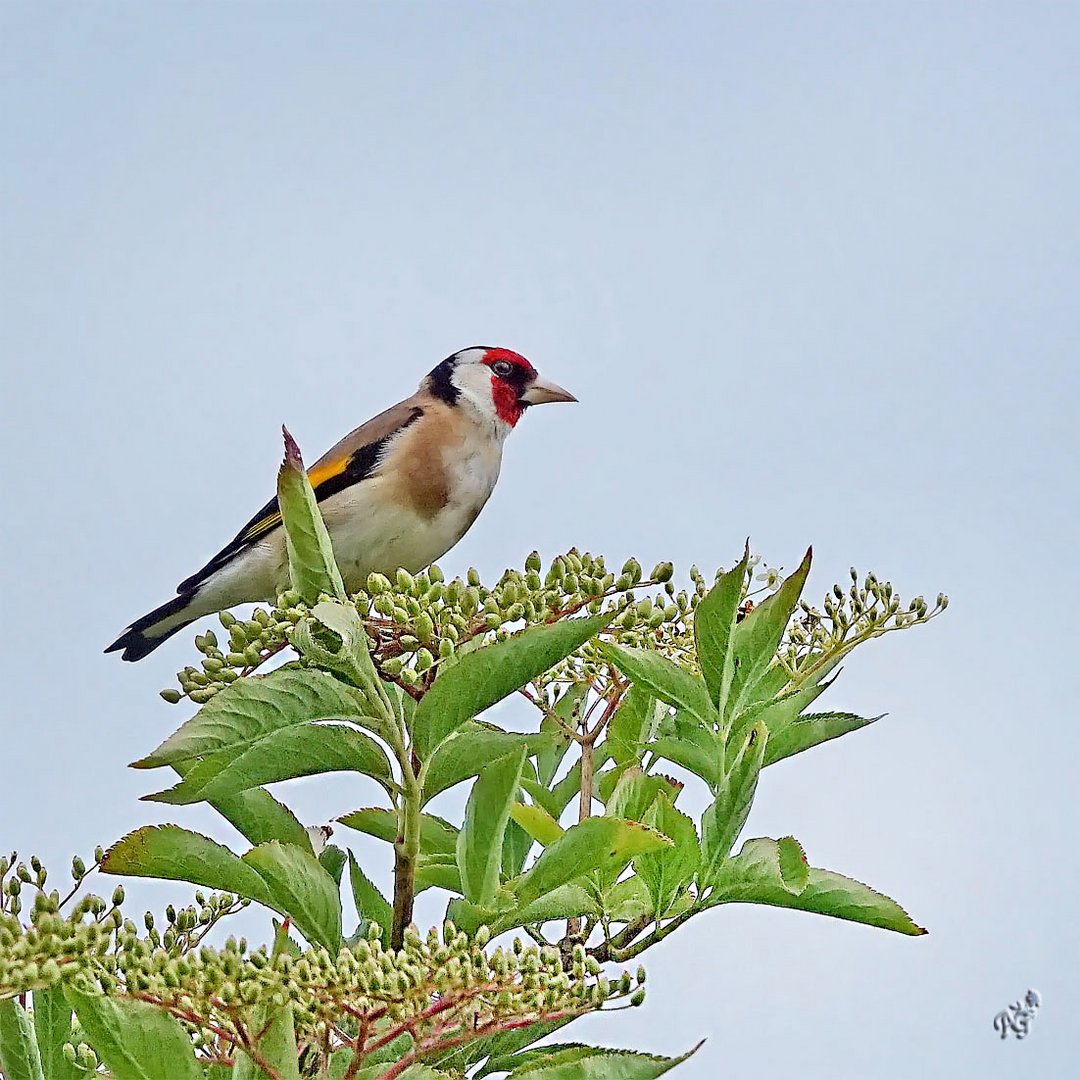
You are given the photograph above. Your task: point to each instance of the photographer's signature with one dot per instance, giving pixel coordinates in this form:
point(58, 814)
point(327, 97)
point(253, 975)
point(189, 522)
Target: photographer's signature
point(1018, 1017)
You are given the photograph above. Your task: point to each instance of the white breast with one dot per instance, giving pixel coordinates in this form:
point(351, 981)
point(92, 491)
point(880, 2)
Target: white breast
point(375, 529)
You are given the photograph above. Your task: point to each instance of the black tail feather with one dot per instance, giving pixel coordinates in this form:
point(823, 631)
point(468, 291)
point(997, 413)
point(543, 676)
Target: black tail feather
point(140, 638)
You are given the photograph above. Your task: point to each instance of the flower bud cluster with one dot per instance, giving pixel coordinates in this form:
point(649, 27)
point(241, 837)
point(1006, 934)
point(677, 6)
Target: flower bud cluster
point(250, 642)
point(219, 991)
point(866, 609)
point(417, 621)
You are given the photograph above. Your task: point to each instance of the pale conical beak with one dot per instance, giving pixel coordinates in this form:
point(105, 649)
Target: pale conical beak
point(542, 391)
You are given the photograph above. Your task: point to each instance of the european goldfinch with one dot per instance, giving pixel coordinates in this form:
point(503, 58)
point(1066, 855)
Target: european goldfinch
point(397, 493)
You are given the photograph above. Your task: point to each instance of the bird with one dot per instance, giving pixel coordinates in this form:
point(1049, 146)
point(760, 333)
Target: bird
point(396, 494)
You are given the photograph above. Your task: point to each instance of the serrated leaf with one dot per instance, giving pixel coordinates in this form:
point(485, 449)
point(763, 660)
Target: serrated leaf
point(723, 820)
point(286, 754)
point(468, 751)
point(663, 678)
point(594, 1063)
point(250, 709)
point(302, 889)
point(479, 845)
point(812, 730)
point(753, 877)
point(714, 632)
point(565, 902)
point(774, 712)
point(312, 568)
point(635, 792)
point(480, 679)
point(508, 1062)
point(438, 872)
point(256, 815)
point(135, 1040)
point(758, 636)
point(537, 822)
point(437, 837)
point(685, 741)
point(52, 1028)
point(632, 725)
point(794, 869)
point(628, 900)
point(596, 844)
point(167, 851)
point(506, 1042)
point(667, 872)
point(19, 1057)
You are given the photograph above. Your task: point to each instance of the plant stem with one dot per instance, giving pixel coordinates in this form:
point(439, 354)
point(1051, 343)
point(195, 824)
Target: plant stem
point(406, 852)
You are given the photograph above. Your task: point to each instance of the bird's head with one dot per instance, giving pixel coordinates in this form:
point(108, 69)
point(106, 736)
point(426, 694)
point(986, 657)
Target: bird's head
point(497, 383)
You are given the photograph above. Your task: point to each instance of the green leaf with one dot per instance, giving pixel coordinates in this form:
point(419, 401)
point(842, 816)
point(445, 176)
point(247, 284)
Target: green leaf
point(437, 837)
point(135, 1040)
point(794, 869)
point(636, 792)
point(19, 1057)
point(470, 750)
point(714, 632)
point(628, 900)
point(250, 709)
point(284, 877)
point(52, 1027)
point(811, 730)
point(276, 1033)
point(754, 877)
point(633, 725)
point(691, 744)
point(724, 819)
point(759, 635)
point(563, 716)
point(332, 860)
point(556, 800)
point(371, 905)
point(506, 1042)
point(508, 1062)
point(594, 844)
point(565, 902)
point(537, 822)
point(479, 846)
point(277, 1045)
point(664, 679)
point(302, 889)
point(594, 1063)
point(286, 754)
point(312, 568)
point(668, 871)
point(479, 679)
point(775, 713)
point(438, 872)
point(256, 815)
point(167, 851)
point(517, 844)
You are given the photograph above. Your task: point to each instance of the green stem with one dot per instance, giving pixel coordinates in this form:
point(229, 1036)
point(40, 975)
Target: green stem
point(406, 853)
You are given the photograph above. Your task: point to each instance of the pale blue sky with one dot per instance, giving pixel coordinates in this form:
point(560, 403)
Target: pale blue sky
point(811, 270)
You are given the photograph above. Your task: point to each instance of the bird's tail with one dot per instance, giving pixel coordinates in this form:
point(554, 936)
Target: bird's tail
point(144, 635)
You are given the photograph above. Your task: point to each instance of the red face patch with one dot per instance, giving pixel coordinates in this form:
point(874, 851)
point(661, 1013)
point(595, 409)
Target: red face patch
point(511, 373)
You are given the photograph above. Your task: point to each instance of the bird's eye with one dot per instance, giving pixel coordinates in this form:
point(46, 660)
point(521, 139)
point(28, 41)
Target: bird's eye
point(502, 368)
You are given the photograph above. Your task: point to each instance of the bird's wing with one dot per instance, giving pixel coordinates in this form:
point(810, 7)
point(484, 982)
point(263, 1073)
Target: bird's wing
point(348, 462)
